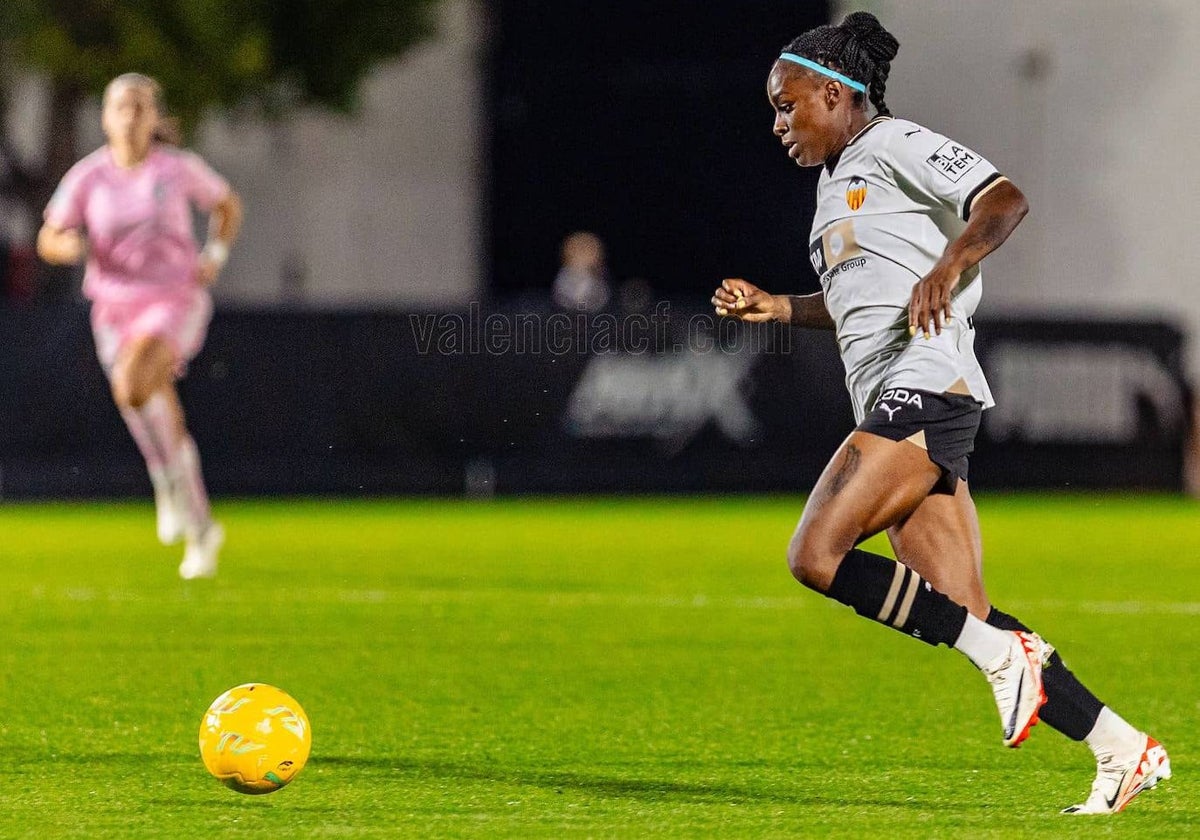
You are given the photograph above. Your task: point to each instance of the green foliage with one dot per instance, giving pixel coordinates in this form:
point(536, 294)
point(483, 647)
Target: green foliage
point(273, 55)
point(571, 668)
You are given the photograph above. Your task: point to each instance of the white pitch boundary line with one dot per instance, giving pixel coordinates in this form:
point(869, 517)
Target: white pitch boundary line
point(584, 599)
point(1114, 607)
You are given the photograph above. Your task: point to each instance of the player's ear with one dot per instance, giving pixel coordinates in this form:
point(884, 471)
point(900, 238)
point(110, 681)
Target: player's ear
point(833, 94)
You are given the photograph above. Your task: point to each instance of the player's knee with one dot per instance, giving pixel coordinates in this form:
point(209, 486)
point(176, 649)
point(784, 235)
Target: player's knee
point(141, 390)
point(122, 392)
point(812, 560)
point(135, 392)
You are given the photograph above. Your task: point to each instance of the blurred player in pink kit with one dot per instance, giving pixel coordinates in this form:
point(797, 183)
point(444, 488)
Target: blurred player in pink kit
point(127, 209)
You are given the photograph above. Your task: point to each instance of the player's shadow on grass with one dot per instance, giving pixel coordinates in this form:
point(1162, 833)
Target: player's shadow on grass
point(650, 790)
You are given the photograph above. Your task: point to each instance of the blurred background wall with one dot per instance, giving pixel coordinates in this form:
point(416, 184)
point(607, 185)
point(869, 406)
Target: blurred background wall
point(382, 208)
point(1089, 106)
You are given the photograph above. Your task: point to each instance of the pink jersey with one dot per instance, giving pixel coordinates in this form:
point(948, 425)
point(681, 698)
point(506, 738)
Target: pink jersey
point(138, 221)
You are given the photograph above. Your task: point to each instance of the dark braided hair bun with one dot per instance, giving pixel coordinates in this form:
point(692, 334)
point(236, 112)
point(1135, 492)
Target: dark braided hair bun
point(865, 28)
point(859, 47)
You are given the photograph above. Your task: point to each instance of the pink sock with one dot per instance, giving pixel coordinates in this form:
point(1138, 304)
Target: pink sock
point(182, 461)
point(147, 444)
point(191, 478)
point(162, 425)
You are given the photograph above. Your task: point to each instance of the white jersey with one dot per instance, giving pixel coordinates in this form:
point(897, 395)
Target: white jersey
point(894, 199)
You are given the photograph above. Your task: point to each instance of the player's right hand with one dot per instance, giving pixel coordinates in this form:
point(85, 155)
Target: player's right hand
point(735, 298)
point(68, 247)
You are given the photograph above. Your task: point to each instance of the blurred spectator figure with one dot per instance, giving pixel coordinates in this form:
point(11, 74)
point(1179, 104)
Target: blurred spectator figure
point(582, 281)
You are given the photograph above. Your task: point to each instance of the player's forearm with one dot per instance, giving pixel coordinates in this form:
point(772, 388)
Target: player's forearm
point(995, 214)
point(804, 311)
point(223, 225)
point(225, 221)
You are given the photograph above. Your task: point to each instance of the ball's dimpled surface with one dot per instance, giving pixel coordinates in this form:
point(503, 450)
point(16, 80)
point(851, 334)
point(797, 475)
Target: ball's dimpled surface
point(255, 738)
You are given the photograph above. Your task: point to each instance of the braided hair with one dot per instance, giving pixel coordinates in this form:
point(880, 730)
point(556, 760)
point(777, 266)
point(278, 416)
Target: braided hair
point(859, 47)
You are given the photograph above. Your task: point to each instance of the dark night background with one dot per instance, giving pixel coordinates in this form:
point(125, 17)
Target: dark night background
point(647, 124)
point(670, 95)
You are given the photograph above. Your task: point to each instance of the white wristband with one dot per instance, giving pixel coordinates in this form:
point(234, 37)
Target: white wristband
point(216, 252)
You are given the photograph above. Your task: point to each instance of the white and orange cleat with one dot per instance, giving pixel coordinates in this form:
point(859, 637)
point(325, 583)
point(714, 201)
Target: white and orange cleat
point(1016, 679)
point(1119, 778)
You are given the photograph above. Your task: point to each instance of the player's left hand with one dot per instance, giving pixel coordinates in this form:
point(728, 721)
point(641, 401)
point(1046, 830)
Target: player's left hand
point(930, 304)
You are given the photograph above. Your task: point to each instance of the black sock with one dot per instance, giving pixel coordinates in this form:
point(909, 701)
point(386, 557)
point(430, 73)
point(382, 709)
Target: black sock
point(893, 594)
point(1070, 707)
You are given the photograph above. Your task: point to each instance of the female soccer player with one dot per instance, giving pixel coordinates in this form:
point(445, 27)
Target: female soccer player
point(898, 203)
point(127, 209)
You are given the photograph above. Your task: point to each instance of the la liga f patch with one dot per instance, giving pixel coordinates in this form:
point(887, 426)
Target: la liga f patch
point(953, 160)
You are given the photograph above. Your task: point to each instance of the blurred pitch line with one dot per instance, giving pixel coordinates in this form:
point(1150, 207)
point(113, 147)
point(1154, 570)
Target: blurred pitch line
point(572, 599)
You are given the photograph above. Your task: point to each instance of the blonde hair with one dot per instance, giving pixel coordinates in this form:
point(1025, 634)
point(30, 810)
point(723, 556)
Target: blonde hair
point(167, 130)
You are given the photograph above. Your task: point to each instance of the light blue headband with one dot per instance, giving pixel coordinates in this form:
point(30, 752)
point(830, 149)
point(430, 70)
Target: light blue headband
point(824, 71)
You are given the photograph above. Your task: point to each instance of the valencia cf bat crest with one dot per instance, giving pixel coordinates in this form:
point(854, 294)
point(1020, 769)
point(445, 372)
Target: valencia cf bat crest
point(856, 193)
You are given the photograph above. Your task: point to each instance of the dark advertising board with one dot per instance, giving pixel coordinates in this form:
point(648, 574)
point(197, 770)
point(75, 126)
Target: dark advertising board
point(527, 400)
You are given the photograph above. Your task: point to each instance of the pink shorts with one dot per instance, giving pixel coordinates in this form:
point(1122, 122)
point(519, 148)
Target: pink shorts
point(181, 320)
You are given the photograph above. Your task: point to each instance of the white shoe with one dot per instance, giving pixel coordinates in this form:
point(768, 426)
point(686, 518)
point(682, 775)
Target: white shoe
point(168, 508)
point(1016, 680)
point(200, 556)
point(1120, 778)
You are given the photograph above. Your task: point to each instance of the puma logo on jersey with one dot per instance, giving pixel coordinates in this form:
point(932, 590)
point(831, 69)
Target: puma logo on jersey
point(902, 396)
point(891, 411)
point(856, 193)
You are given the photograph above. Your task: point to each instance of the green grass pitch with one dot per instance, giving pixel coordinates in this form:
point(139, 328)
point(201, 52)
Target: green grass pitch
point(572, 668)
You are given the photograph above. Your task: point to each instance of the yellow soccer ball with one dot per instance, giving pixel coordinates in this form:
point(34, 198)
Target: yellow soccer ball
point(255, 738)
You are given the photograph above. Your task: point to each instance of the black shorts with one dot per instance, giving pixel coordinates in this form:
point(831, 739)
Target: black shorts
point(944, 425)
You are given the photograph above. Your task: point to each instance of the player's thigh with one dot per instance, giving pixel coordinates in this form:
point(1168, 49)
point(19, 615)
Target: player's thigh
point(155, 340)
point(870, 484)
point(145, 364)
point(941, 542)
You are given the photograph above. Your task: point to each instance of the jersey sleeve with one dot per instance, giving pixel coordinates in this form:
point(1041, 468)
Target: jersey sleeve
point(65, 210)
point(943, 170)
point(204, 186)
